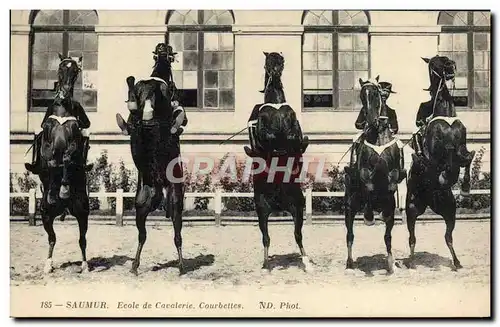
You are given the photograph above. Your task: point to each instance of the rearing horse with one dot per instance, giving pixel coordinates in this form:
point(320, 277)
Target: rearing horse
point(276, 139)
point(374, 181)
point(156, 150)
point(444, 149)
point(62, 161)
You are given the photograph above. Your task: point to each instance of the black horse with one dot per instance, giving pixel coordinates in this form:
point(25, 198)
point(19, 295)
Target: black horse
point(444, 152)
point(62, 161)
point(371, 185)
point(156, 150)
point(276, 138)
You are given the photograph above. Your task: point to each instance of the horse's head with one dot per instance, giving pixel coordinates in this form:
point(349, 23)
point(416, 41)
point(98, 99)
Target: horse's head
point(371, 98)
point(67, 74)
point(441, 71)
point(273, 66)
point(164, 56)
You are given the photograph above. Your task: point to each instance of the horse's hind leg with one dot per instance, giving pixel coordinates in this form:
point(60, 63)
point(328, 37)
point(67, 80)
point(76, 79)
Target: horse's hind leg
point(142, 209)
point(466, 157)
point(389, 224)
point(449, 215)
point(352, 205)
point(48, 225)
point(81, 211)
point(298, 219)
point(263, 213)
point(176, 203)
point(414, 208)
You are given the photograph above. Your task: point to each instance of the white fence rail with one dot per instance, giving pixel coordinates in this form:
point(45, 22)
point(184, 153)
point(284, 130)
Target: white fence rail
point(32, 195)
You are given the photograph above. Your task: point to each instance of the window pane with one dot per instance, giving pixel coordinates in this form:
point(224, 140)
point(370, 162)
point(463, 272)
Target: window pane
point(481, 41)
point(40, 42)
point(40, 61)
point(90, 42)
point(211, 79)
point(325, 60)
point(310, 61)
point(211, 60)
point(89, 61)
point(481, 98)
point(325, 79)
point(190, 80)
point(358, 18)
point(53, 61)
point(211, 41)
point(445, 42)
point(345, 42)
point(481, 79)
point(310, 41)
point(346, 99)
point(190, 60)
point(310, 80)
point(226, 99)
point(82, 17)
point(482, 18)
point(226, 41)
point(481, 60)
point(325, 42)
point(227, 60)
point(56, 42)
point(361, 60)
point(345, 61)
point(363, 74)
point(39, 79)
point(461, 60)
point(346, 79)
point(360, 42)
point(79, 81)
point(226, 79)
point(75, 53)
point(176, 41)
point(211, 99)
point(49, 17)
point(460, 42)
point(190, 41)
point(461, 80)
point(89, 98)
point(75, 41)
point(177, 76)
point(322, 100)
point(51, 79)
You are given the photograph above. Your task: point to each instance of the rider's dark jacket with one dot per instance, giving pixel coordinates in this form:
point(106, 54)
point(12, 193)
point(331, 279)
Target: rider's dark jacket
point(77, 111)
point(424, 111)
point(391, 114)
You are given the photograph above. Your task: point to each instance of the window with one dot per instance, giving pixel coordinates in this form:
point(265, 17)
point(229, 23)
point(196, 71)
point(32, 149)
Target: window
point(335, 54)
point(465, 38)
point(70, 33)
point(204, 71)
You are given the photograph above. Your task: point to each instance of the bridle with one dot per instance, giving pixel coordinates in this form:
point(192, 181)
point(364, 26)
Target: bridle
point(442, 84)
point(370, 83)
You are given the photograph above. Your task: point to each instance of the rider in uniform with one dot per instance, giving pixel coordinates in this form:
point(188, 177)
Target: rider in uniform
point(181, 118)
point(361, 124)
point(424, 115)
point(78, 112)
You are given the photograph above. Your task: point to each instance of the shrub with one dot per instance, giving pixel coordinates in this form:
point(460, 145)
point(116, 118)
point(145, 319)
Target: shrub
point(18, 205)
point(477, 201)
point(237, 184)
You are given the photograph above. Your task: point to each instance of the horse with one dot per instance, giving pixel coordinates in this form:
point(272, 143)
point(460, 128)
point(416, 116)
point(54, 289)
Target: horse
point(156, 151)
point(430, 180)
point(279, 138)
point(371, 185)
point(62, 161)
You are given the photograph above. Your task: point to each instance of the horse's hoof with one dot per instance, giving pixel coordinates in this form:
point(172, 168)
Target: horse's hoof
point(134, 271)
point(85, 267)
point(308, 266)
point(48, 267)
point(266, 266)
point(458, 265)
point(349, 264)
point(182, 270)
point(411, 265)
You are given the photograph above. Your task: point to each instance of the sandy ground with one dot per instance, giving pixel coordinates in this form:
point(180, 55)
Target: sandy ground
point(224, 267)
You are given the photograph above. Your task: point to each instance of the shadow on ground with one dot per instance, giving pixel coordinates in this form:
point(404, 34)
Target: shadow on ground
point(190, 264)
point(101, 263)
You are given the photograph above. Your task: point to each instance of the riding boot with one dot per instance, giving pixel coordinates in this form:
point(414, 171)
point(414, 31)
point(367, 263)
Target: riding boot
point(352, 160)
point(122, 124)
point(252, 150)
point(34, 166)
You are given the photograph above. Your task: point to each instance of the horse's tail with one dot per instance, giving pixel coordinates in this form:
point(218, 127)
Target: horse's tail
point(448, 174)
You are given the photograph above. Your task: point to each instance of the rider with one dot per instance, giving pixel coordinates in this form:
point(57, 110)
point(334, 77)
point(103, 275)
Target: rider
point(386, 90)
point(181, 119)
point(83, 122)
point(424, 114)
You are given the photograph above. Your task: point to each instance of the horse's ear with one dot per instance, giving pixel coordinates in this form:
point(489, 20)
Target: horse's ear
point(266, 53)
point(80, 61)
point(61, 57)
point(376, 78)
point(361, 82)
point(426, 59)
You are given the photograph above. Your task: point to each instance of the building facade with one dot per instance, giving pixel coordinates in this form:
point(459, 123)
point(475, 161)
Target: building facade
point(220, 70)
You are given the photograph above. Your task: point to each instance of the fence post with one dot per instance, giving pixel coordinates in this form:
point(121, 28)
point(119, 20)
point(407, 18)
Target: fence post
point(32, 207)
point(218, 206)
point(119, 207)
point(309, 206)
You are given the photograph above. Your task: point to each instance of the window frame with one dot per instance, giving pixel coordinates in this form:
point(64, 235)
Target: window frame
point(65, 29)
point(334, 29)
point(201, 29)
point(468, 29)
